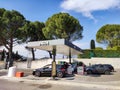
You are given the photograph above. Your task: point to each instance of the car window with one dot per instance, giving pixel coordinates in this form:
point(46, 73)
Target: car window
point(94, 66)
point(101, 66)
point(48, 66)
point(59, 66)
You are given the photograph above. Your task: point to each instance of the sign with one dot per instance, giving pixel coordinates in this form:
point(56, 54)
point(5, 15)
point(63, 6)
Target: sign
point(69, 69)
point(80, 70)
point(44, 43)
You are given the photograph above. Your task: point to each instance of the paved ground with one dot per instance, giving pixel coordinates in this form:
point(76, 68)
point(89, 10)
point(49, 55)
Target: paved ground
point(8, 85)
point(109, 82)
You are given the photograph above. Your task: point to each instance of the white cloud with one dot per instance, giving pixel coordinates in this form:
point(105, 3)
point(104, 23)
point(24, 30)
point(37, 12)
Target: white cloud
point(86, 7)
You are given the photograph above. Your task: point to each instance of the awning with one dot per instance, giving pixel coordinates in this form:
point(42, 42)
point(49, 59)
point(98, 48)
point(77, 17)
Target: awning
point(62, 46)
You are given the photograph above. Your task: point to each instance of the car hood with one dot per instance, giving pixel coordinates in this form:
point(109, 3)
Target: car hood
point(40, 69)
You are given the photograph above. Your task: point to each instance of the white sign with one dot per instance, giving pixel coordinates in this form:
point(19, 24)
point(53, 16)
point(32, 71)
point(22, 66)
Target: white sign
point(80, 70)
point(69, 69)
point(44, 43)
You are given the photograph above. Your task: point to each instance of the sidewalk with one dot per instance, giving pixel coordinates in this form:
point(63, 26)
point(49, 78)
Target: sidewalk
point(70, 81)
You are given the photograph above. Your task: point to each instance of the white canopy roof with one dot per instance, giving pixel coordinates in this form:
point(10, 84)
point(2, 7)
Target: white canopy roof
point(62, 46)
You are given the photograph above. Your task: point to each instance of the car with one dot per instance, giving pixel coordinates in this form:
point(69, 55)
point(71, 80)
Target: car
point(47, 71)
point(22, 59)
point(110, 67)
point(98, 69)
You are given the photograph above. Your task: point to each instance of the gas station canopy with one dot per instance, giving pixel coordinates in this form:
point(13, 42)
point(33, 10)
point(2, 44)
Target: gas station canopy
point(62, 46)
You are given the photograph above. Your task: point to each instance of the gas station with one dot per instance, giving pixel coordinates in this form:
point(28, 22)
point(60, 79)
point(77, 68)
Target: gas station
point(60, 46)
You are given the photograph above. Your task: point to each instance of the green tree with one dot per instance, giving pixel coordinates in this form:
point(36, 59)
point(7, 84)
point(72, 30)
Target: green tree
point(62, 25)
point(92, 44)
point(10, 22)
point(32, 31)
point(109, 34)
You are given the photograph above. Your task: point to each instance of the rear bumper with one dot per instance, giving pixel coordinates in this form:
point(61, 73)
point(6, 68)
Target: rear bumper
point(33, 73)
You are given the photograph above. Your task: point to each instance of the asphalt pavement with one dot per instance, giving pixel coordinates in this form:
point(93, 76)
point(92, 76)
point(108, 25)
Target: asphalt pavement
point(109, 82)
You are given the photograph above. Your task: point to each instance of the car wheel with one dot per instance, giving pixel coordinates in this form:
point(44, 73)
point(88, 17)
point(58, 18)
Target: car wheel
point(112, 70)
point(89, 72)
point(60, 74)
point(37, 73)
point(107, 72)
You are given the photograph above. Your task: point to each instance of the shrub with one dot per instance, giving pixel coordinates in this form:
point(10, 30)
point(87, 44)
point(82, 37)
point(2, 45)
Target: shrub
point(100, 53)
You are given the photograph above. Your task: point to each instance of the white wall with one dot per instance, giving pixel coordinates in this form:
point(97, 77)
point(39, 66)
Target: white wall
point(40, 63)
point(113, 61)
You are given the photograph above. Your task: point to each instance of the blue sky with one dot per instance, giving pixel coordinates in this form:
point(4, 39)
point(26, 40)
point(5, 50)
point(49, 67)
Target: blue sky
point(92, 14)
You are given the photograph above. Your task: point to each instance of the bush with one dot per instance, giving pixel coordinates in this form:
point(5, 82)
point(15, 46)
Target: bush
point(98, 48)
point(100, 53)
point(114, 48)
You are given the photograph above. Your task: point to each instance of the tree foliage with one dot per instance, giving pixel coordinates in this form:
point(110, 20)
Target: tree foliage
point(109, 34)
point(10, 22)
point(32, 31)
point(62, 25)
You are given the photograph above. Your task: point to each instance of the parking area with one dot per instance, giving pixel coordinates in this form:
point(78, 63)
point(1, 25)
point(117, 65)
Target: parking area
point(114, 76)
point(111, 82)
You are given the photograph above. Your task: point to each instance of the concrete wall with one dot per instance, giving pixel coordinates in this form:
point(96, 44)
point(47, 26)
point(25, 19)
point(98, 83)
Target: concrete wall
point(113, 61)
point(40, 63)
point(33, 64)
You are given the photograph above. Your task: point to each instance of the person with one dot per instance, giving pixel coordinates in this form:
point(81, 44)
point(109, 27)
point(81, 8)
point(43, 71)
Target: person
point(66, 65)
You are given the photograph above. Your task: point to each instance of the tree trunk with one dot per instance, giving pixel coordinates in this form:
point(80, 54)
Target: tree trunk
point(50, 54)
point(10, 60)
point(33, 54)
point(111, 45)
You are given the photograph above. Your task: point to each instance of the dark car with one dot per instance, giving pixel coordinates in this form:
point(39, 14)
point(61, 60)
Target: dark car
point(47, 71)
point(110, 67)
point(98, 69)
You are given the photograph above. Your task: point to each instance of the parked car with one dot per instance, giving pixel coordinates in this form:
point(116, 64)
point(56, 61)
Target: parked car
point(110, 67)
point(47, 71)
point(98, 69)
point(22, 58)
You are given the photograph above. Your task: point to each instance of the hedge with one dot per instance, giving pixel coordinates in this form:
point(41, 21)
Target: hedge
point(100, 53)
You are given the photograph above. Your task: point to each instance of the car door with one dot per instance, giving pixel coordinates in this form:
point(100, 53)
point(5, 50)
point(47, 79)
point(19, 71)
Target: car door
point(94, 69)
point(47, 70)
point(100, 69)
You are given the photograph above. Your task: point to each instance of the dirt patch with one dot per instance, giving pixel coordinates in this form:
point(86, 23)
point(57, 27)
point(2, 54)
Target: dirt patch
point(21, 81)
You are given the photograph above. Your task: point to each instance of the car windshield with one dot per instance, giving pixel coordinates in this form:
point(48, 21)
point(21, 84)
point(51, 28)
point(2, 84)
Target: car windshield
point(48, 66)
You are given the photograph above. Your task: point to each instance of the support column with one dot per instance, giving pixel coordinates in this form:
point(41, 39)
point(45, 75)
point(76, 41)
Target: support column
point(70, 55)
point(54, 62)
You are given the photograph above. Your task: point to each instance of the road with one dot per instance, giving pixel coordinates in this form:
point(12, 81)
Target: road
point(8, 85)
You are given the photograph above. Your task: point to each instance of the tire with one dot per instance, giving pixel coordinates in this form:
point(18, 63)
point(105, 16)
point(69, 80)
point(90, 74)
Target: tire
point(89, 72)
point(107, 72)
point(60, 74)
point(37, 73)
